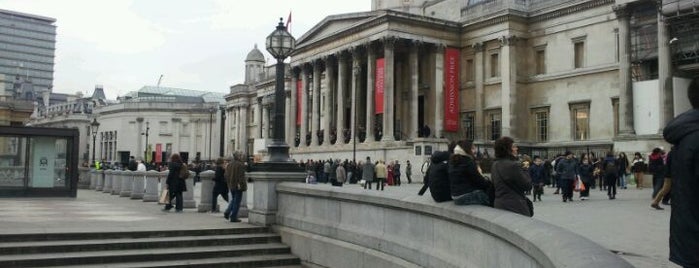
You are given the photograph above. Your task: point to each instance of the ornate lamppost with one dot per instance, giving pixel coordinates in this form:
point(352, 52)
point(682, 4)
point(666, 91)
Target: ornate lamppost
point(280, 44)
point(94, 126)
point(145, 149)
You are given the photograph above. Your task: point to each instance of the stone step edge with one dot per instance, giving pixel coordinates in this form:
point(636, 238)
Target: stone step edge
point(207, 262)
point(129, 234)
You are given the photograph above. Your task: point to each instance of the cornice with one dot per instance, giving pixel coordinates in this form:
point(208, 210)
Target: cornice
point(570, 10)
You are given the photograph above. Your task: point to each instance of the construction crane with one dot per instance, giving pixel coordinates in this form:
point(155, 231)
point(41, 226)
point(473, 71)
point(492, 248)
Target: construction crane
point(159, 80)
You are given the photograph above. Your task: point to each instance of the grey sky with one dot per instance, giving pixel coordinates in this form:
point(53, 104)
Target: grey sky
point(195, 44)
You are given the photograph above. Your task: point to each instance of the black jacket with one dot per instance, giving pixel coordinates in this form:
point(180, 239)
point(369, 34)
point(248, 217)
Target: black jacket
point(683, 133)
point(438, 177)
point(464, 177)
point(174, 182)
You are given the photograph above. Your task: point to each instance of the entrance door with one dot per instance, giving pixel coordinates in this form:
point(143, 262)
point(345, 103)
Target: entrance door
point(420, 112)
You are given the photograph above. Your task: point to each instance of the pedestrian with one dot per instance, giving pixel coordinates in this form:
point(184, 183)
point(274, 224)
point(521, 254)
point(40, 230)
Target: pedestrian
point(408, 171)
point(509, 179)
point(220, 185)
point(657, 168)
point(368, 173)
point(623, 169)
point(667, 185)
point(683, 133)
point(381, 174)
point(340, 174)
point(396, 173)
point(537, 172)
point(133, 165)
point(467, 185)
point(610, 168)
point(585, 170)
point(327, 170)
point(140, 166)
point(235, 178)
point(175, 182)
point(567, 169)
point(638, 167)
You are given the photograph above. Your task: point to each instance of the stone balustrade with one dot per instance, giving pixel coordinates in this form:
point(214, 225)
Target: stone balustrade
point(207, 186)
point(108, 181)
point(99, 180)
point(116, 181)
point(138, 186)
point(151, 194)
point(126, 183)
point(84, 178)
point(357, 228)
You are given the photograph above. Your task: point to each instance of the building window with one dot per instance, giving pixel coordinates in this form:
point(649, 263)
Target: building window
point(469, 125)
point(579, 50)
point(494, 65)
point(615, 108)
point(580, 114)
point(540, 61)
point(469, 70)
point(541, 124)
point(494, 125)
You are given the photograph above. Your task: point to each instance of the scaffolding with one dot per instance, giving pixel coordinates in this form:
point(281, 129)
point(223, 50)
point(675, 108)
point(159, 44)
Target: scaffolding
point(682, 16)
point(643, 34)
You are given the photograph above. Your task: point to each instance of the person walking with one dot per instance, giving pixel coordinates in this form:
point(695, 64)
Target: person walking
point(340, 174)
point(510, 179)
point(175, 182)
point(637, 168)
point(220, 185)
point(656, 166)
point(537, 172)
point(396, 173)
point(408, 171)
point(623, 169)
point(235, 178)
point(567, 169)
point(610, 168)
point(667, 185)
point(368, 173)
point(586, 169)
point(381, 174)
point(683, 133)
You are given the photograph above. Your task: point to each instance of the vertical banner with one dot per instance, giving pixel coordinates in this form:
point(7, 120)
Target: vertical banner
point(299, 91)
point(451, 89)
point(158, 153)
point(378, 87)
point(43, 162)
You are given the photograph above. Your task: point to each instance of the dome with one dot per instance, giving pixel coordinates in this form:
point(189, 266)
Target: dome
point(255, 55)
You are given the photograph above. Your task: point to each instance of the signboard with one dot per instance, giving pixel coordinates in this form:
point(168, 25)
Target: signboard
point(379, 86)
point(451, 90)
point(43, 162)
point(158, 153)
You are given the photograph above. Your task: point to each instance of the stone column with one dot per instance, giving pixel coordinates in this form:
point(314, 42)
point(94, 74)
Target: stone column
point(291, 137)
point(176, 128)
point(140, 148)
point(188, 196)
point(439, 90)
point(108, 181)
point(115, 178)
point(207, 187)
point(244, 128)
point(288, 123)
point(264, 206)
point(370, 87)
point(389, 98)
point(341, 87)
point(151, 194)
point(258, 119)
point(265, 121)
point(665, 81)
point(137, 188)
point(329, 81)
point(356, 72)
point(509, 93)
point(479, 73)
point(304, 107)
point(316, 103)
point(626, 127)
point(414, 87)
point(192, 137)
point(126, 183)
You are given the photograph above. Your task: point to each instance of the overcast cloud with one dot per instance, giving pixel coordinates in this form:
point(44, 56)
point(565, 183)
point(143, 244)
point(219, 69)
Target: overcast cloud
point(195, 44)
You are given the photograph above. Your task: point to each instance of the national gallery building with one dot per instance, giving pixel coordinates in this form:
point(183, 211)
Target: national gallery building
point(402, 80)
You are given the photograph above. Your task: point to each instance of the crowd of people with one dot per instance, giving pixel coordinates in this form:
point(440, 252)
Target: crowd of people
point(337, 172)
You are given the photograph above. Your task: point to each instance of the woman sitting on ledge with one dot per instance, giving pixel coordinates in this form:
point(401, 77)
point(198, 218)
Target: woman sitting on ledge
point(468, 187)
point(510, 179)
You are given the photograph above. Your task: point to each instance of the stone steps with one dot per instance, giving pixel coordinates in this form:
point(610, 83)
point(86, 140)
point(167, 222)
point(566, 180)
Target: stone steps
point(227, 247)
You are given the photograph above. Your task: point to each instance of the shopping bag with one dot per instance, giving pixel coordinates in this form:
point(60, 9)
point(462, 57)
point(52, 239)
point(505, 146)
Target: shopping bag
point(362, 182)
point(164, 197)
point(577, 185)
point(582, 185)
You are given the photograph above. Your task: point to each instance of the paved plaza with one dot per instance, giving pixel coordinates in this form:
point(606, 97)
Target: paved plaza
point(626, 225)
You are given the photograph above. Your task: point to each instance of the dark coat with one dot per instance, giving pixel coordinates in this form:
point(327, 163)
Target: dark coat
point(567, 168)
point(174, 182)
point(585, 171)
point(511, 181)
point(464, 177)
point(538, 174)
point(683, 133)
point(438, 177)
point(220, 185)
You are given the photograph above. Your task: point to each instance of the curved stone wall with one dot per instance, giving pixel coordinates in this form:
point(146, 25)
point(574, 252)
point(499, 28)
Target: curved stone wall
point(351, 227)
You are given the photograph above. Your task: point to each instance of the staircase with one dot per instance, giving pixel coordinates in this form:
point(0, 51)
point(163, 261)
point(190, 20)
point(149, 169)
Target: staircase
point(245, 246)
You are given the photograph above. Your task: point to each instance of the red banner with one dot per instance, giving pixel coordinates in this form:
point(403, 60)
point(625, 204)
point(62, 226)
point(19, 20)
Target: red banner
point(299, 91)
point(158, 153)
point(451, 89)
point(378, 89)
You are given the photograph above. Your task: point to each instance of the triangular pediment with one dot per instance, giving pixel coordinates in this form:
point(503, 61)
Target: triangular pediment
point(334, 24)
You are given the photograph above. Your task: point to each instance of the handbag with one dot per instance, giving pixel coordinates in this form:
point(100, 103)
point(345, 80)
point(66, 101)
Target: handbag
point(164, 197)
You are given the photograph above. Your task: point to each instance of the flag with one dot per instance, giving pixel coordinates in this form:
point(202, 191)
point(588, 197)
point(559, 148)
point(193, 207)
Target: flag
point(288, 22)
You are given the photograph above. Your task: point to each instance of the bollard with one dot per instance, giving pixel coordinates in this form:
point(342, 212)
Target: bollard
point(108, 181)
point(126, 182)
point(137, 188)
point(243, 210)
point(100, 180)
point(93, 179)
point(116, 182)
point(207, 187)
point(84, 178)
point(151, 194)
point(162, 178)
point(188, 196)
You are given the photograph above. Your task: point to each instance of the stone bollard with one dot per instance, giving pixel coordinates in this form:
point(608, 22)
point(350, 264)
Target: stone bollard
point(108, 181)
point(93, 179)
point(243, 210)
point(100, 180)
point(162, 178)
point(84, 178)
point(116, 182)
point(151, 194)
point(138, 180)
point(207, 187)
point(126, 183)
point(188, 196)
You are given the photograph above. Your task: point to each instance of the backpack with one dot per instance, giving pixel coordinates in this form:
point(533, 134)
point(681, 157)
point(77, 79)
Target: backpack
point(611, 169)
point(438, 177)
point(184, 172)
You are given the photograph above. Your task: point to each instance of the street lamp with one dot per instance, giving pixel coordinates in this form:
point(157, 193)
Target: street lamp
point(94, 126)
point(280, 44)
point(145, 149)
